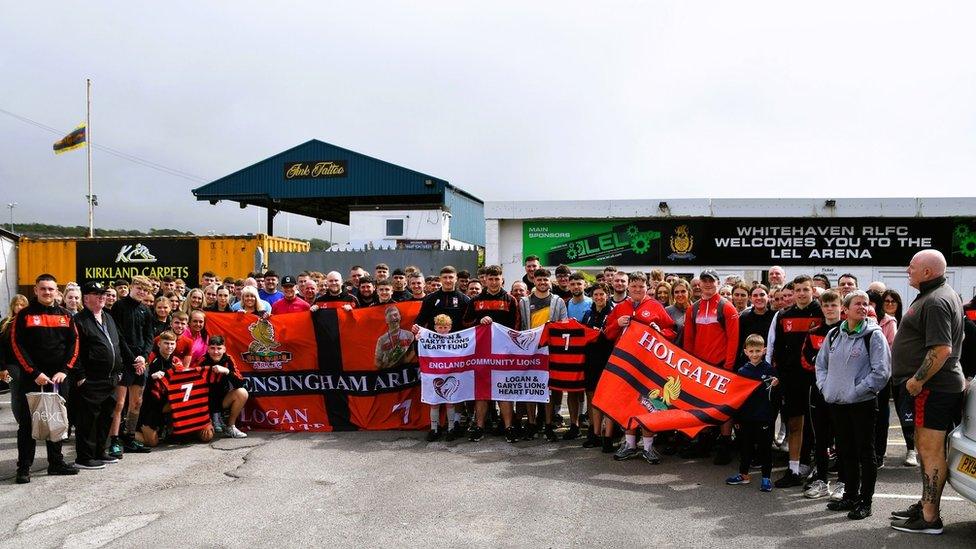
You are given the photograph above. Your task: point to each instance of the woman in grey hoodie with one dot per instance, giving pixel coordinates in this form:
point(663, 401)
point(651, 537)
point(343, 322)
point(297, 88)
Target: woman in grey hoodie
point(852, 367)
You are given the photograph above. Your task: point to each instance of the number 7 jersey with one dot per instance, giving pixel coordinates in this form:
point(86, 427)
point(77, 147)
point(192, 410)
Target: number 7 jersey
point(567, 342)
point(188, 393)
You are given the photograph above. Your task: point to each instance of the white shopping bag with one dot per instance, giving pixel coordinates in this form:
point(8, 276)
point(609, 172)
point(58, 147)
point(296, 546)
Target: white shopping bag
point(49, 416)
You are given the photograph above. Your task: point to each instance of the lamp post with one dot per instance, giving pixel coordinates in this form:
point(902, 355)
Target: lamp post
point(11, 206)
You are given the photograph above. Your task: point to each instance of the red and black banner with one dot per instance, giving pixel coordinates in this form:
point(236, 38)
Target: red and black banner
point(652, 383)
point(329, 370)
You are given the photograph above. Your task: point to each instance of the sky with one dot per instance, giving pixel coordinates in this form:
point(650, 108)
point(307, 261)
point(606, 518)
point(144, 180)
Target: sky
point(506, 100)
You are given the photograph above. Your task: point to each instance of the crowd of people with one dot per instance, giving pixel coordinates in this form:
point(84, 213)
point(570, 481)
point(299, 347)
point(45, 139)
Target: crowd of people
point(137, 365)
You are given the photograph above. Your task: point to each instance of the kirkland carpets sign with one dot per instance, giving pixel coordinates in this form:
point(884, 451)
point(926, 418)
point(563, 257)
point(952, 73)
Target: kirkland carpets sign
point(109, 260)
point(876, 242)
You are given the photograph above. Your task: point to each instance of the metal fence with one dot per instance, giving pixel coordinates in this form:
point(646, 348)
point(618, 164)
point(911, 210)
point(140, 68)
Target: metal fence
point(428, 261)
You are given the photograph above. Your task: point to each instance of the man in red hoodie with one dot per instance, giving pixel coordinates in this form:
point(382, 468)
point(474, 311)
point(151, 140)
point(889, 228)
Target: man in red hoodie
point(642, 308)
point(711, 333)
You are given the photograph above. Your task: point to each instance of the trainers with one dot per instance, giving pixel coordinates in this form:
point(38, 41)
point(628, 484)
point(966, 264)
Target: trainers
point(572, 433)
point(788, 480)
point(914, 510)
point(736, 480)
point(510, 435)
point(592, 441)
point(651, 456)
point(115, 449)
point(476, 433)
point(433, 435)
point(89, 464)
point(23, 476)
point(818, 489)
point(837, 493)
point(550, 433)
point(860, 511)
point(625, 453)
point(842, 505)
point(918, 525)
point(107, 459)
point(453, 433)
point(766, 485)
point(218, 423)
point(62, 469)
point(607, 445)
point(911, 459)
point(529, 432)
point(133, 446)
point(233, 432)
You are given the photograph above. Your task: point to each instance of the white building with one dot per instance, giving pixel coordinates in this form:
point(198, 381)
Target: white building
point(8, 270)
point(872, 238)
point(404, 229)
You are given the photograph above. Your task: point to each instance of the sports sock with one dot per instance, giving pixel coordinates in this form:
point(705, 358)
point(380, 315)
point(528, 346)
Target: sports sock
point(648, 442)
point(435, 417)
point(795, 466)
point(130, 421)
point(630, 441)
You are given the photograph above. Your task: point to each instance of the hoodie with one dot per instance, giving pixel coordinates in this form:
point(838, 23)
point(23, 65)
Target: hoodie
point(846, 372)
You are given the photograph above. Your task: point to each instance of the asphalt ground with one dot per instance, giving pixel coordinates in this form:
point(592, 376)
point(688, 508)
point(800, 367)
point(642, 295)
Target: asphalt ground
point(393, 489)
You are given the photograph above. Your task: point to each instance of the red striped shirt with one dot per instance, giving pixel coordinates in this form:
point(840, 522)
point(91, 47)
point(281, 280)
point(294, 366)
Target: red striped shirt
point(567, 341)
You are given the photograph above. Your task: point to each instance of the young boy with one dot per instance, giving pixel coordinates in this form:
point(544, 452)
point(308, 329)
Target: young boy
point(756, 416)
point(443, 325)
point(151, 413)
point(230, 394)
point(186, 394)
point(823, 433)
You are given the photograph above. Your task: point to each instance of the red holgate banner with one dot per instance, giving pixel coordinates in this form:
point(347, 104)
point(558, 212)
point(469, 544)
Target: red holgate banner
point(652, 383)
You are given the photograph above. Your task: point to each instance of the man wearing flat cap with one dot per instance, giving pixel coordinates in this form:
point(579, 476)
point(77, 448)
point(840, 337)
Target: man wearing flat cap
point(94, 378)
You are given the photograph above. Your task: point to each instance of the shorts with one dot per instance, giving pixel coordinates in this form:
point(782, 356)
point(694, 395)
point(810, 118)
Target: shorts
point(796, 388)
point(130, 377)
point(151, 414)
point(937, 410)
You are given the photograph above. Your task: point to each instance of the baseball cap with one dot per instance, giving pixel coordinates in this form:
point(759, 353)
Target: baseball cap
point(709, 273)
point(92, 287)
point(288, 281)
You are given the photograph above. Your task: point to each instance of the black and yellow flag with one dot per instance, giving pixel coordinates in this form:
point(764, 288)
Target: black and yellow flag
point(74, 140)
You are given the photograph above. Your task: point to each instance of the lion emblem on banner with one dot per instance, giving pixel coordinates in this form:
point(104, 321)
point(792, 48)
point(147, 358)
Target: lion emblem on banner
point(661, 400)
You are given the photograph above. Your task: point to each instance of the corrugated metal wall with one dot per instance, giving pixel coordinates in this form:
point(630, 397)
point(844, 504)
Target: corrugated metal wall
point(467, 218)
point(428, 261)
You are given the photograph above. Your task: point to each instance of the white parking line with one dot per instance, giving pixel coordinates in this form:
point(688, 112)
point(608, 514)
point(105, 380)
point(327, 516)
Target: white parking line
point(915, 497)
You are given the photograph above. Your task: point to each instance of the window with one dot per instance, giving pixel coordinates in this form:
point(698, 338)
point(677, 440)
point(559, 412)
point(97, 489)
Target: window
point(394, 227)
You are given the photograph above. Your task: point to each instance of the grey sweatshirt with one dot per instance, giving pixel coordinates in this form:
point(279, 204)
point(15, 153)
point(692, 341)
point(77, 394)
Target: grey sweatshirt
point(846, 372)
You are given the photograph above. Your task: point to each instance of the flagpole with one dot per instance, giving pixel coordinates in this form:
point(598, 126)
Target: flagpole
point(91, 197)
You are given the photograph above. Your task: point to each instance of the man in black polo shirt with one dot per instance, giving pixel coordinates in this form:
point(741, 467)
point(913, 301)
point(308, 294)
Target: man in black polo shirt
point(925, 359)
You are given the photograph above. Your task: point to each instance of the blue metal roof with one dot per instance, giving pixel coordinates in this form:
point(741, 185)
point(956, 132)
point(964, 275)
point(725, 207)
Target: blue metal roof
point(365, 181)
